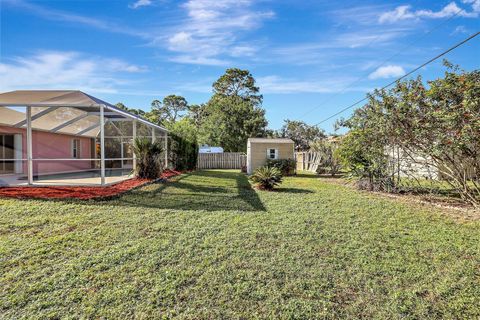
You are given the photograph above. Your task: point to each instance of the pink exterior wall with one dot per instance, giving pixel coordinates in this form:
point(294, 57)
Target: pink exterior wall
point(46, 145)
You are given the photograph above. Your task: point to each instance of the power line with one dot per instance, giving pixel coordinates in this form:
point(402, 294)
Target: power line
point(383, 62)
point(404, 76)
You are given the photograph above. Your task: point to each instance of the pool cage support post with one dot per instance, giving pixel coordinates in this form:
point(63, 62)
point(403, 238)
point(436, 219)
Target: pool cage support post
point(134, 134)
point(102, 145)
point(166, 149)
point(29, 146)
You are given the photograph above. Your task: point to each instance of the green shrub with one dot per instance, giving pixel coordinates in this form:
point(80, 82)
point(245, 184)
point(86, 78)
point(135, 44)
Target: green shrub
point(329, 159)
point(182, 144)
point(148, 158)
point(286, 166)
point(415, 127)
point(266, 178)
point(366, 161)
point(182, 153)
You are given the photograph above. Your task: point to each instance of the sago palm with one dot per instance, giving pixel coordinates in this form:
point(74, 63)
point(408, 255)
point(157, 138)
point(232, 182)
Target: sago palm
point(266, 178)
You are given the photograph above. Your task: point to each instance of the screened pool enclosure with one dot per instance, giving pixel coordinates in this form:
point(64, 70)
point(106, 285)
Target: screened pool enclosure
point(68, 138)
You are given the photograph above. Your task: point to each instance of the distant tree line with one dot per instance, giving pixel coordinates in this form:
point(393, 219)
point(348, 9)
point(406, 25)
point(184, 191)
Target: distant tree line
point(233, 114)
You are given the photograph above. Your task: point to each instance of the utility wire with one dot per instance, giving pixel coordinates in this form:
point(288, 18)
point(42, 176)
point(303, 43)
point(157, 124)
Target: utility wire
point(383, 62)
point(404, 76)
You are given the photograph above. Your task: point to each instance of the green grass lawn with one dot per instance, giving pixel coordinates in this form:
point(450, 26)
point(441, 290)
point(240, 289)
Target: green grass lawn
point(205, 245)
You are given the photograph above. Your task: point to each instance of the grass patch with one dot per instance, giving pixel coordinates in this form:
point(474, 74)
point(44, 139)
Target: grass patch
point(206, 245)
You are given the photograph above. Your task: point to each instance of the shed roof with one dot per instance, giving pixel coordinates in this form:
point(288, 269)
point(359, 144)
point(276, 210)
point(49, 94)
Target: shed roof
point(270, 140)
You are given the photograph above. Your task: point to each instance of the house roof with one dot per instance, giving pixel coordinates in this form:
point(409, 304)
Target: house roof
point(270, 140)
point(56, 108)
point(50, 98)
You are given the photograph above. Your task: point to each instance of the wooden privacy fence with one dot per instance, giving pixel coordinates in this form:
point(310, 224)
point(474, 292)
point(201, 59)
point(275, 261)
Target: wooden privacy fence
point(308, 161)
point(226, 160)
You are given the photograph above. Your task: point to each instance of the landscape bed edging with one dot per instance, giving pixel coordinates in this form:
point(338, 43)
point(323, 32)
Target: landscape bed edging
point(81, 192)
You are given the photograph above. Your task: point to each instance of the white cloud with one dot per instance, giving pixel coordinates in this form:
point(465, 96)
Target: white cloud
point(400, 13)
point(211, 30)
point(64, 70)
point(243, 51)
point(118, 65)
point(449, 10)
point(474, 3)
point(279, 85)
point(201, 86)
point(404, 12)
point(390, 71)
point(275, 84)
point(59, 15)
point(366, 38)
point(140, 3)
point(326, 50)
point(180, 41)
point(460, 29)
point(200, 60)
point(360, 14)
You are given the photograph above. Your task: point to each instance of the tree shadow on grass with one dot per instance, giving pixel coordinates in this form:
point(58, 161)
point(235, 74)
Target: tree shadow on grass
point(306, 175)
point(293, 190)
point(203, 190)
point(223, 174)
point(318, 176)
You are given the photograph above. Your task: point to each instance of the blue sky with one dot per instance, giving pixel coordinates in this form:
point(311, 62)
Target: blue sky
point(310, 58)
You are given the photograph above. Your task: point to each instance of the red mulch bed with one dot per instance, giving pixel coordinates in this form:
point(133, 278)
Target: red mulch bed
point(84, 193)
